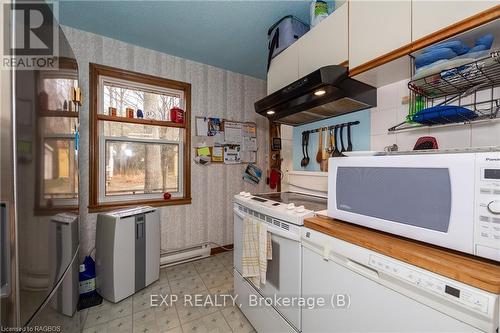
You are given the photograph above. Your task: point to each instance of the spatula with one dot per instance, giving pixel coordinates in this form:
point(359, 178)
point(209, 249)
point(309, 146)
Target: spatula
point(303, 161)
point(342, 140)
point(349, 142)
point(307, 150)
point(336, 151)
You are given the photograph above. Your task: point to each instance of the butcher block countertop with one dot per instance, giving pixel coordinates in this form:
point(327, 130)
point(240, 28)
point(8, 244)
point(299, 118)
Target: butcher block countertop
point(482, 274)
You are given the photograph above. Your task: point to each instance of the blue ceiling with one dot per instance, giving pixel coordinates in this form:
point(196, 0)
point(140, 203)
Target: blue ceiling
point(226, 34)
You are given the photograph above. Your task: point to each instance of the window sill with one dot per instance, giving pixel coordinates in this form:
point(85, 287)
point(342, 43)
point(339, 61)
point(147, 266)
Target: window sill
point(49, 211)
point(104, 207)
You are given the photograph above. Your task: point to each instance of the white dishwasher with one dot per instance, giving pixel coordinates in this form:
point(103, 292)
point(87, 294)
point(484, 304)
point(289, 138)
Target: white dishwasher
point(385, 295)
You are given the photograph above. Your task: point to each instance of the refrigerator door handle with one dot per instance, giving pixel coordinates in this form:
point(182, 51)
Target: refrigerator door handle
point(5, 259)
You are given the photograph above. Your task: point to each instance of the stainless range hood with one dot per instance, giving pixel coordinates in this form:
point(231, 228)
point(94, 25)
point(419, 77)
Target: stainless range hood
point(324, 93)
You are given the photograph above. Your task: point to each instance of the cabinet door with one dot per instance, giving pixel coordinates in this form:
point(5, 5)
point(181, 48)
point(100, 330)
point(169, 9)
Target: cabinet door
point(431, 16)
point(377, 28)
point(326, 44)
point(284, 69)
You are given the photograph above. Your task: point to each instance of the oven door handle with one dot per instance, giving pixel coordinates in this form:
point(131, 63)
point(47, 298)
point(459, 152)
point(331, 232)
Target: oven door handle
point(270, 228)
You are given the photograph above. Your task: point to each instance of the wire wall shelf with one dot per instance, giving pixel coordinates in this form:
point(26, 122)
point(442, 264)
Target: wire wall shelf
point(470, 86)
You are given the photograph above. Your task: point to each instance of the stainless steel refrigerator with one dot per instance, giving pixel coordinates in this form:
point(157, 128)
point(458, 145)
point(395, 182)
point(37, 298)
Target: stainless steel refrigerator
point(39, 195)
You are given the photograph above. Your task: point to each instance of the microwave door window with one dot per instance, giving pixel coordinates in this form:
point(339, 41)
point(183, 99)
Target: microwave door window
point(418, 197)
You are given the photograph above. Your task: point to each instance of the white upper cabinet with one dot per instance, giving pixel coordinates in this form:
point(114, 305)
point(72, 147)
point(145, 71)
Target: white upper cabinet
point(326, 44)
point(431, 16)
point(284, 69)
point(377, 28)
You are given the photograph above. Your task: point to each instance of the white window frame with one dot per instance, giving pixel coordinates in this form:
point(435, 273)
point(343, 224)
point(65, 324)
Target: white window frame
point(102, 197)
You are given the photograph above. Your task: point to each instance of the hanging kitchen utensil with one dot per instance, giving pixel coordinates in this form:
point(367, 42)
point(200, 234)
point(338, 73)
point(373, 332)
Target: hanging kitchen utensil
point(307, 148)
point(331, 143)
point(303, 161)
point(342, 140)
point(319, 154)
point(325, 155)
point(349, 142)
point(276, 140)
point(336, 151)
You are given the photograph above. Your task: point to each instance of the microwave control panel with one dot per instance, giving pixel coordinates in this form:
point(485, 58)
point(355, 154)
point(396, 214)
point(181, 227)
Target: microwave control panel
point(487, 205)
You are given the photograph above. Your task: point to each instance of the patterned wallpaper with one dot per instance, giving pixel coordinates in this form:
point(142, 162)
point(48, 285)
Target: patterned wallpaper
point(215, 92)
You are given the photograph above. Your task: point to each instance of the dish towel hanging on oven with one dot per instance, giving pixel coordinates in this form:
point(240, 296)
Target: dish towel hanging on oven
point(257, 250)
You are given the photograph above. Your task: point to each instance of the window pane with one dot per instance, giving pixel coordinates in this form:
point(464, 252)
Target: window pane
point(57, 125)
point(117, 129)
point(154, 104)
point(59, 169)
point(141, 168)
point(58, 91)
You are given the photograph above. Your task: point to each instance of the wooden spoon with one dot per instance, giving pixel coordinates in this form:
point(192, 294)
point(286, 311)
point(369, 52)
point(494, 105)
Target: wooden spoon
point(319, 154)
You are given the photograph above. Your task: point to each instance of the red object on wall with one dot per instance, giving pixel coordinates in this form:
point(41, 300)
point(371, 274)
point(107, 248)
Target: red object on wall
point(166, 196)
point(177, 115)
point(274, 178)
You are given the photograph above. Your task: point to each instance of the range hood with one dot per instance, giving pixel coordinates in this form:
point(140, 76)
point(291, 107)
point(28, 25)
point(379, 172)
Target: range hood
point(324, 93)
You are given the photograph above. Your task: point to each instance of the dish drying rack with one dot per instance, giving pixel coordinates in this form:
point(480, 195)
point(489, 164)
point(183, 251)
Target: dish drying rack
point(459, 86)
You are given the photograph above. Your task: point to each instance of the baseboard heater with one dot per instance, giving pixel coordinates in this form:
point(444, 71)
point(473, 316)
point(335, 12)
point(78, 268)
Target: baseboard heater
point(185, 255)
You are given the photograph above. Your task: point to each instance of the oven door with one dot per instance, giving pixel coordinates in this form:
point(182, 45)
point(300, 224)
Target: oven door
point(425, 197)
point(283, 270)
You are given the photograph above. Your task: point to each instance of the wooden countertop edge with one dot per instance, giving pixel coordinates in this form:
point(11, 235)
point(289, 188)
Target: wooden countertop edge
point(479, 273)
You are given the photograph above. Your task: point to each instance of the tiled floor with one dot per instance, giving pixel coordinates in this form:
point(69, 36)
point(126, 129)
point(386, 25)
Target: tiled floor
point(212, 275)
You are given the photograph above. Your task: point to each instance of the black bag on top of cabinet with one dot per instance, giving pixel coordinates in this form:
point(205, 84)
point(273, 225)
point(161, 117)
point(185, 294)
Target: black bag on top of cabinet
point(284, 33)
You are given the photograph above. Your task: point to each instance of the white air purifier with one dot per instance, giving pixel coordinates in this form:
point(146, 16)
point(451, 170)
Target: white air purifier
point(127, 252)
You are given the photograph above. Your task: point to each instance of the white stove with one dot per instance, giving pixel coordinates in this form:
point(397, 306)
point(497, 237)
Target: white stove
point(292, 207)
point(284, 214)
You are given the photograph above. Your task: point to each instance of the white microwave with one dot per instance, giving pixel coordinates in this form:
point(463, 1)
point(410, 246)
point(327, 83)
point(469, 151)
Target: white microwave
point(447, 199)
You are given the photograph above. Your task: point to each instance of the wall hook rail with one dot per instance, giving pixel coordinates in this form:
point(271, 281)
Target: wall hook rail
point(351, 123)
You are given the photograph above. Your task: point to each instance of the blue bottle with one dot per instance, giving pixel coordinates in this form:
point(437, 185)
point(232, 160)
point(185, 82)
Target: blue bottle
point(87, 277)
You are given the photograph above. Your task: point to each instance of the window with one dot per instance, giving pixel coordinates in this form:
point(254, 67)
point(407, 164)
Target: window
point(137, 158)
point(56, 127)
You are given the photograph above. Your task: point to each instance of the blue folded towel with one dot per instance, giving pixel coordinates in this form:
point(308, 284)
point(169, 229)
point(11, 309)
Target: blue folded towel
point(434, 55)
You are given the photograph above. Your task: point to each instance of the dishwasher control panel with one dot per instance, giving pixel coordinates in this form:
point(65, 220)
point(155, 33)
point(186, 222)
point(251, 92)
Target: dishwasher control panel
point(431, 283)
